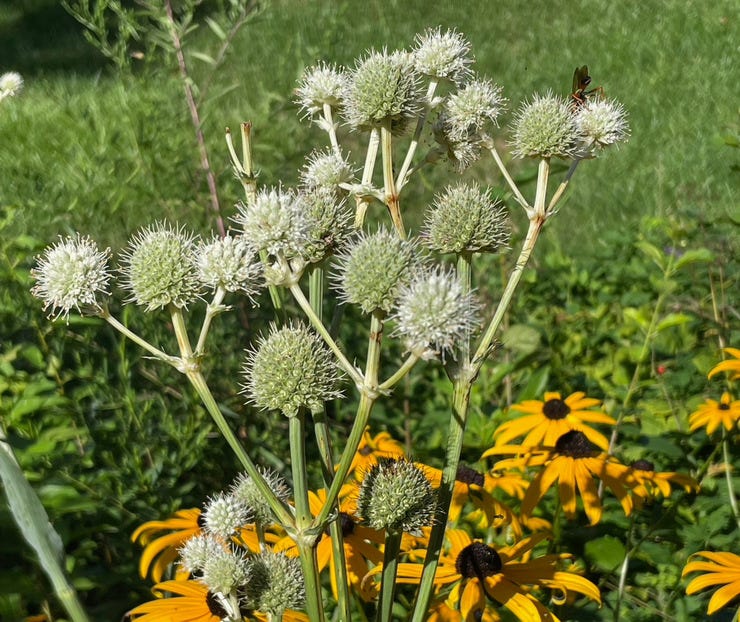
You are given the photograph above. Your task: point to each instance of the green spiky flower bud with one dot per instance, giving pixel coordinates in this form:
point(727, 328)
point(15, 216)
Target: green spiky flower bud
point(327, 169)
point(545, 128)
point(224, 515)
point(443, 56)
point(71, 274)
point(434, 313)
point(198, 550)
point(383, 89)
point(373, 267)
point(159, 267)
point(328, 223)
point(226, 572)
point(602, 123)
point(466, 219)
point(291, 369)
point(246, 491)
point(229, 262)
point(275, 584)
point(397, 496)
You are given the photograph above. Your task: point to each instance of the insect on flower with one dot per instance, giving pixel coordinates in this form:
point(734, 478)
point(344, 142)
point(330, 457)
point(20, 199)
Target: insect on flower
point(581, 81)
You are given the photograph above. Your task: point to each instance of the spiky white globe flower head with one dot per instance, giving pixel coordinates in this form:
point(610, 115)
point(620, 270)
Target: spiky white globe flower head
point(11, 83)
point(327, 169)
point(224, 515)
point(443, 56)
point(373, 267)
point(230, 262)
point(321, 84)
point(158, 267)
point(383, 89)
point(544, 128)
point(274, 223)
point(71, 274)
point(226, 573)
point(329, 223)
point(602, 122)
point(397, 496)
point(466, 219)
point(434, 313)
point(275, 584)
point(291, 369)
point(245, 490)
point(472, 109)
point(196, 551)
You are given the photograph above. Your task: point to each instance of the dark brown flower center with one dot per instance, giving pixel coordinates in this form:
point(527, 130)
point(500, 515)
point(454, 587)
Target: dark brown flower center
point(478, 560)
point(365, 451)
point(201, 521)
point(575, 444)
point(347, 524)
point(556, 409)
point(724, 406)
point(643, 465)
point(215, 607)
point(466, 475)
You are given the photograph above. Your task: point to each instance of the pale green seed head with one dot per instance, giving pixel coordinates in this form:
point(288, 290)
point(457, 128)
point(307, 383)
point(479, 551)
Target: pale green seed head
point(275, 584)
point(224, 515)
point(291, 369)
point(373, 267)
point(245, 490)
point(466, 219)
point(229, 262)
point(196, 551)
point(443, 56)
point(602, 123)
point(326, 170)
point(71, 274)
point(158, 267)
point(321, 84)
point(328, 223)
point(383, 89)
point(397, 496)
point(545, 128)
point(226, 572)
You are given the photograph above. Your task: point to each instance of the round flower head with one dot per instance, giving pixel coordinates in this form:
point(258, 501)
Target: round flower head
point(245, 490)
point(466, 219)
point(443, 56)
point(327, 169)
point(275, 584)
point(274, 223)
point(396, 495)
point(383, 89)
point(545, 128)
point(602, 122)
point(11, 84)
point(434, 312)
point(468, 112)
point(290, 369)
point(373, 267)
point(224, 515)
point(226, 572)
point(198, 550)
point(230, 263)
point(320, 85)
point(328, 223)
point(71, 274)
point(159, 267)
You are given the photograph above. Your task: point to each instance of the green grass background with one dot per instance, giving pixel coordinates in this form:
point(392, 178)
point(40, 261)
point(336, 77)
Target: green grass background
point(84, 150)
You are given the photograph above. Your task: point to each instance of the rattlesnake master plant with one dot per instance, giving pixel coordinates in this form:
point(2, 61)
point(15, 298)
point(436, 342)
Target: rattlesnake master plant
point(289, 239)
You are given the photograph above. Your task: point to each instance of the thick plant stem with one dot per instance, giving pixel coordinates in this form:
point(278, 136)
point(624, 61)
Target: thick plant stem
point(388, 578)
point(305, 540)
point(367, 176)
point(389, 183)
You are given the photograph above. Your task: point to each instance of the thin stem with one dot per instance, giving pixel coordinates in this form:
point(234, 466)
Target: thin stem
point(562, 187)
point(543, 176)
point(504, 171)
point(331, 128)
point(316, 291)
point(403, 175)
point(175, 361)
point(388, 578)
point(623, 573)
point(212, 310)
point(389, 183)
point(728, 478)
point(367, 176)
point(195, 119)
point(411, 360)
point(318, 325)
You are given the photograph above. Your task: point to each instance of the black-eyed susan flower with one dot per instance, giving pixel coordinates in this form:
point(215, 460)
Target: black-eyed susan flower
point(712, 414)
point(382, 445)
point(190, 602)
point(575, 464)
point(442, 612)
point(730, 365)
point(161, 549)
point(479, 575)
point(544, 422)
point(651, 483)
point(721, 569)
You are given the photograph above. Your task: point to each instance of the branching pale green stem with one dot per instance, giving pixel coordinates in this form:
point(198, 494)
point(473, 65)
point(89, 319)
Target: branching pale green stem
point(403, 175)
point(411, 360)
point(389, 183)
point(212, 310)
point(504, 171)
point(175, 361)
point(331, 128)
point(367, 176)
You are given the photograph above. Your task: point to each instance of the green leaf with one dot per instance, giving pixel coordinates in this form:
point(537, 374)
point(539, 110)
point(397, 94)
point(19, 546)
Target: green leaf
point(521, 338)
point(696, 255)
point(657, 255)
point(216, 28)
point(673, 319)
point(204, 57)
point(605, 553)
